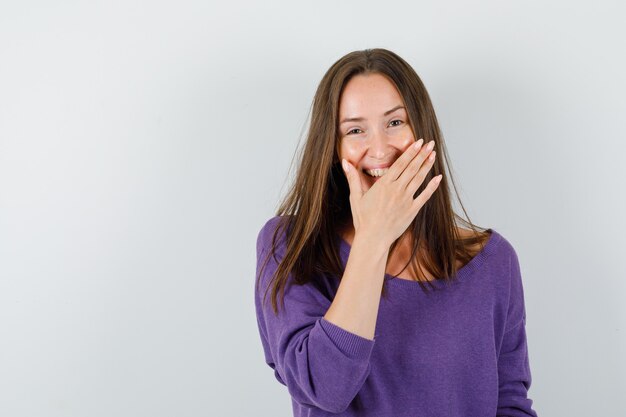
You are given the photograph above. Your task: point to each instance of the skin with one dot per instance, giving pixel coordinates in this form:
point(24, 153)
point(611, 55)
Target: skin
point(356, 304)
point(377, 139)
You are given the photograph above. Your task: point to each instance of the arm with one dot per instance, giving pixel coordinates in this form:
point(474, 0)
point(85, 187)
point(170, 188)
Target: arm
point(355, 306)
point(323, 364)
point(514, 374)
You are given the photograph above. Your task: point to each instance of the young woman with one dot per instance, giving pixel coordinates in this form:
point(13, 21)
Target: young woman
point(389, 308)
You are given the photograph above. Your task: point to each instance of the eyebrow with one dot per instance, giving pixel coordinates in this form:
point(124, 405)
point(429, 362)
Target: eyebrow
point(359, 119)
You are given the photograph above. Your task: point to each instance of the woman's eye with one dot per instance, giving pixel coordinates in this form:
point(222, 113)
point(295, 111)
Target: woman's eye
point(350, 132)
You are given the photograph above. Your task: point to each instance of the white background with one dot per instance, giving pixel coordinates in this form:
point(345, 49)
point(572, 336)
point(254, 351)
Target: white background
point(143, 144)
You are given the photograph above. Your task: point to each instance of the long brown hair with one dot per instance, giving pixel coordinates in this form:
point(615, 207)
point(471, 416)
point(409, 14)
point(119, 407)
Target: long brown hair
point(317, 205)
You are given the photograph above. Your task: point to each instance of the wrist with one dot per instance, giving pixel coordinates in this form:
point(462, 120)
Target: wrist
point(372, 241)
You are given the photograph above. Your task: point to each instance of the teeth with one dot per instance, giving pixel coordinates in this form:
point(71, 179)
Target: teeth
point(377, 172)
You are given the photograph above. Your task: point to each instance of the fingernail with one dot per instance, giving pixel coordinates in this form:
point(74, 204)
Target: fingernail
point(345, 165)
point(430, 145)
point(418, 143)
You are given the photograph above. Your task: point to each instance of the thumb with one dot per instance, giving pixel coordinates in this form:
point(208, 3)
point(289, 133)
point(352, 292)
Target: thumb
point(354, 182)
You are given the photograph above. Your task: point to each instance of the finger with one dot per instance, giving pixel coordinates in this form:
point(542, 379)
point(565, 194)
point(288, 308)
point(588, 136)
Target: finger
point(416, 171)
point(354, 181)
point(401, 163)
point(415, 164)
point(423, 197)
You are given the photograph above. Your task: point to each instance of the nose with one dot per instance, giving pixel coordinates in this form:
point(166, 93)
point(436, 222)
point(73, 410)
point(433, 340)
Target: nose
point(378, 146)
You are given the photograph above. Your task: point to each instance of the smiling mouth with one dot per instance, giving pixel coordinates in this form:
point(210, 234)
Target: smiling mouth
point(375, 173)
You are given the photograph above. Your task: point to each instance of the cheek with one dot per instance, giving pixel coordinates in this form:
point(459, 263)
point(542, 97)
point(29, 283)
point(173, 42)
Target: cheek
point(351, 152)
point(404, 142)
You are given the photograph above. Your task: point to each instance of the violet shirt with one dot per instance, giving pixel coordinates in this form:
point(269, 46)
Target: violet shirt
point(460, 351)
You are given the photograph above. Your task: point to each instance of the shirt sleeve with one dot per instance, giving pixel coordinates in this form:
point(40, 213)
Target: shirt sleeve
point(321, 364)
point(514, 376)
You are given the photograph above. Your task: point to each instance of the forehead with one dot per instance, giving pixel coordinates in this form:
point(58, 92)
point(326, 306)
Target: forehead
point(370, 94)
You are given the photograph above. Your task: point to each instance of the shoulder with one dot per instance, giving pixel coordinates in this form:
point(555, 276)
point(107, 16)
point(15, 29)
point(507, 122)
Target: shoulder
point(504, 246)
point(493, 246)
point(512, 283)
point(503, 258)
point(513, 261)
point(269, 228)
point(490, 240)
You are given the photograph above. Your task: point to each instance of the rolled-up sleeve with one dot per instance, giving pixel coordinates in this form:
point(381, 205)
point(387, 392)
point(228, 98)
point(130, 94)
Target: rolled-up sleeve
point(321, 364)
point(514, 374)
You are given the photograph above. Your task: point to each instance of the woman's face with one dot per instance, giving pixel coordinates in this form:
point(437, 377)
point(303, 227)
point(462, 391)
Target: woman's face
point(382, 132)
